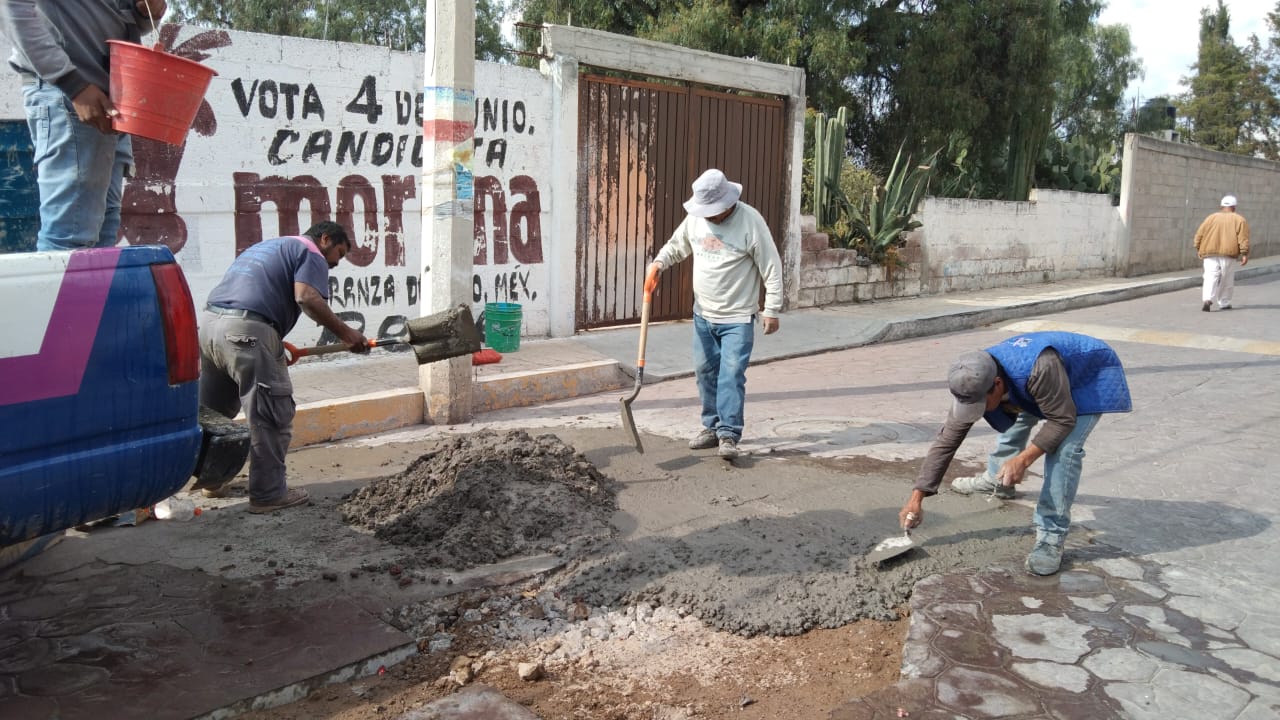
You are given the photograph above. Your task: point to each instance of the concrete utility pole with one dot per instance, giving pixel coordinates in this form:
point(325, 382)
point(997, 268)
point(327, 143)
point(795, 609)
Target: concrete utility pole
point(448, 204)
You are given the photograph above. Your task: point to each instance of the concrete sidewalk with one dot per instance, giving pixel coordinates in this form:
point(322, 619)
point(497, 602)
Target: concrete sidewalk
point(348, 396)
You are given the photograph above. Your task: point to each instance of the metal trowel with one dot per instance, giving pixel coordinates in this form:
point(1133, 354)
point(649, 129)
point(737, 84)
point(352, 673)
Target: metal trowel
point(892, 547)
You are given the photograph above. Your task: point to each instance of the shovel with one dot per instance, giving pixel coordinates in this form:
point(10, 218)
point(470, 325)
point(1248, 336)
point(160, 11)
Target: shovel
point(443, 335)
point(892, 547)
point(628, 421)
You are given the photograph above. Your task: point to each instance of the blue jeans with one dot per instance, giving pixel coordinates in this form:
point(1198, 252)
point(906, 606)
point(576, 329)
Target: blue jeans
point(80, 173)
point(1061, 472)
point(720, 357)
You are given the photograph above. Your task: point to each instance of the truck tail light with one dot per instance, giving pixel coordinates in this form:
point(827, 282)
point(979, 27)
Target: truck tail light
point(178, 315)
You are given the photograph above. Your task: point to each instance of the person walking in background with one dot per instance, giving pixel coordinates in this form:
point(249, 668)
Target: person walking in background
point(1221, 241)
point(733, 256)
point(60, 50)
point(1066, 379)
point(242, 358)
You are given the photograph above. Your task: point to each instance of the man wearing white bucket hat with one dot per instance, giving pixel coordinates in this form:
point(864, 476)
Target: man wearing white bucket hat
point(1222, 243)
point(733, 256)
point(60, 50)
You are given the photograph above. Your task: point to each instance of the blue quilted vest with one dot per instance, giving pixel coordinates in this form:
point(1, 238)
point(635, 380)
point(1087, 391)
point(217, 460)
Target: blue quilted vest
point(1097, 379)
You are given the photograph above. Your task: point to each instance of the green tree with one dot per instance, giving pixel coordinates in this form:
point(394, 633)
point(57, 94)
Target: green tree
point(490, 45)
point(828, 39)
point(289, 19)
point(1214, 106)
point(1155, 115)
point(397, 24)
point(986, 70)
point(1096, 67)
point(986, 81)
point(1260, 127)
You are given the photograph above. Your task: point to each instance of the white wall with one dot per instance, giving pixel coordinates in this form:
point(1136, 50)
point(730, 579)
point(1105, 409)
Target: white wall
point(296, 130)
point(973, 244)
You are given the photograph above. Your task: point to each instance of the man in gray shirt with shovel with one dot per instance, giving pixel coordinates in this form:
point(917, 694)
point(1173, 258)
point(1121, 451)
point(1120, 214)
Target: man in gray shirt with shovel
point(1067, 380)
point(242, 357)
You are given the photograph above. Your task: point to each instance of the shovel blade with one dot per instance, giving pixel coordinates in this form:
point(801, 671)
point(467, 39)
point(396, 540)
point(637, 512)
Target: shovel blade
point(629, 424)
point(890, 548)
point(453, 326)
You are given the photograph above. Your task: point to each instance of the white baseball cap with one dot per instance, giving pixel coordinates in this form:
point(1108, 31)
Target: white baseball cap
point(1228, 201)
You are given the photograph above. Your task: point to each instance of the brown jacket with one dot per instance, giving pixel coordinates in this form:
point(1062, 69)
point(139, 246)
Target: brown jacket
point(1223, 233)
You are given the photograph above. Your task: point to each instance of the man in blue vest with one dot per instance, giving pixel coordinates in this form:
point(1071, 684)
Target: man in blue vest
point(1067, 380)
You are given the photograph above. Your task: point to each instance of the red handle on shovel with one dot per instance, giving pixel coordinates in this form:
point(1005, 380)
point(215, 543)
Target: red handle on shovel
point(292, 353)
point(650, 284)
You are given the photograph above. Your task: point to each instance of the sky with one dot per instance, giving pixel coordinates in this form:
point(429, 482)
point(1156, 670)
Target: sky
point(1166, 33)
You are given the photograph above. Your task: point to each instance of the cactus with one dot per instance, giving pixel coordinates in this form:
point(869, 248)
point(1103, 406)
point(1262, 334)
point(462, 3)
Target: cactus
point(1080, 167)
point(828, 158)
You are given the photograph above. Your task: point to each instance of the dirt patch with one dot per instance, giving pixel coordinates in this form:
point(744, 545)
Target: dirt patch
point(672, 668)
point(483, 497)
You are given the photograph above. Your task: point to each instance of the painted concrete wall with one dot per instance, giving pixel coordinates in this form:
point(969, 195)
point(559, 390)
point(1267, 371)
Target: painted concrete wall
point(296, 130)
point(1169, 188)
point(973, 244)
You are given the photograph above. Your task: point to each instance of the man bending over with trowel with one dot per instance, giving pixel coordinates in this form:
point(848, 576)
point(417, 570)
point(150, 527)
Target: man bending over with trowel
point(242, 358)
point(1067, 380)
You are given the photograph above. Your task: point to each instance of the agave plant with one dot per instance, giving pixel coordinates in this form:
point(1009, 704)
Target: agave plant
point(878, 222)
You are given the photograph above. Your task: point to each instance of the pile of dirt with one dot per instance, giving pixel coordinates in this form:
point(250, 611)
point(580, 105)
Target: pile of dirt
point(483, 497)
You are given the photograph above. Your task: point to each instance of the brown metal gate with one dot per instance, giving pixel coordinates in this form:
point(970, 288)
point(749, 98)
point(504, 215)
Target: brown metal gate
point(640, 146)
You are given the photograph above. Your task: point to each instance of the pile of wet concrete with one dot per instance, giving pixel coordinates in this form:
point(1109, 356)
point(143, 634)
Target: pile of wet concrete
point(487, 496)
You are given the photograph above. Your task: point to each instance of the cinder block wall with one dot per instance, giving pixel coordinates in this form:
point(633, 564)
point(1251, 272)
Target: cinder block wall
point(1169, 188)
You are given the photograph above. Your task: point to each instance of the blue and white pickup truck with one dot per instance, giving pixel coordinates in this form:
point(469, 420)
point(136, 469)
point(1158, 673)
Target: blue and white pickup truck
point(99, 401)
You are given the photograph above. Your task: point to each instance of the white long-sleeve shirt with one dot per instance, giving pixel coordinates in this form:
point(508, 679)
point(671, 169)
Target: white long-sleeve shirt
point(730, 261)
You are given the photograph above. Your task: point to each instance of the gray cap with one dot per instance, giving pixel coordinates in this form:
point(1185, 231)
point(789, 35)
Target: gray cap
point(971, 377)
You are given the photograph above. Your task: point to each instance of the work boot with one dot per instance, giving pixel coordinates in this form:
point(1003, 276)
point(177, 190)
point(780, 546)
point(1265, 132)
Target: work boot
point(1205, 307)
point(291, 498)
point(728, 448)
point(704, 440)
point(981, 484)
point(1045, 558)
point(215, 492)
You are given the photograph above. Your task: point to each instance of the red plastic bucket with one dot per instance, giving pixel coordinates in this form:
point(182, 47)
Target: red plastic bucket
point(156, 93)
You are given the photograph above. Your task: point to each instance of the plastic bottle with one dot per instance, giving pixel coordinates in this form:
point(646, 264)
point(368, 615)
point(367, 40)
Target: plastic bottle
point(176, 508)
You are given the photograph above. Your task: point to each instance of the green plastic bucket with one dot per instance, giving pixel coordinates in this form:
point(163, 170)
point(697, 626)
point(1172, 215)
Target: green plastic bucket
point(502, 326)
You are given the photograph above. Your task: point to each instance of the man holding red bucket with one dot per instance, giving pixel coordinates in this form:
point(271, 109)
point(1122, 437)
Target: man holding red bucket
point(61, 52)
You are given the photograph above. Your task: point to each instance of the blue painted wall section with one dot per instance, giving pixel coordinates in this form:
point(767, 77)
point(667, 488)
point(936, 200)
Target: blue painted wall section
point(19, 197)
